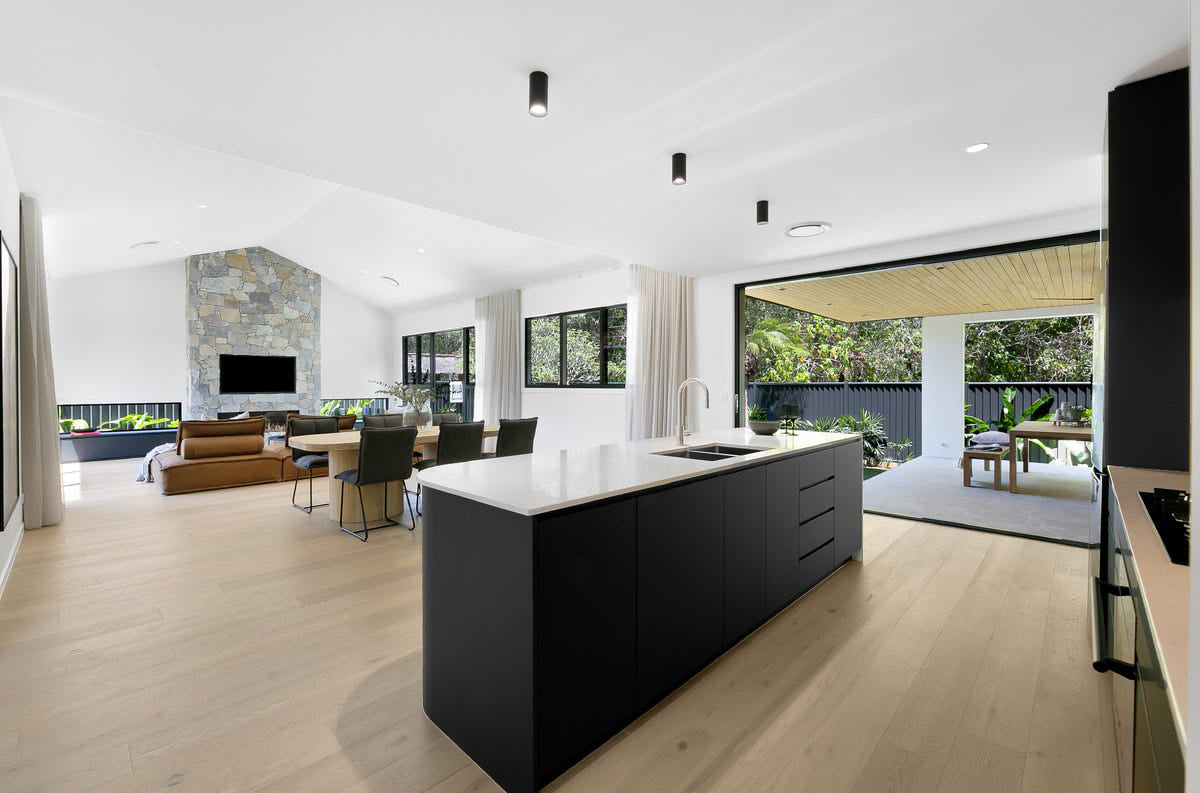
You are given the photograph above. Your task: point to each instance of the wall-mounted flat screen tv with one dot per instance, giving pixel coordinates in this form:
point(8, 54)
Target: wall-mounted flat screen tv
point(258, 374)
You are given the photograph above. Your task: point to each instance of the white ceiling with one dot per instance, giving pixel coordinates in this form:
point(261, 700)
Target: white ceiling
point(855, 113)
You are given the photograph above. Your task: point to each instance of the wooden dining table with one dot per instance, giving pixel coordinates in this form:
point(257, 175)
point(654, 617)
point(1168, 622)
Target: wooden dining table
point(342, 448)
point(1042, 430)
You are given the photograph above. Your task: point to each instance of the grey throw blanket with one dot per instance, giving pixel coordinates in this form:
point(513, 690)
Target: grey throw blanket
point(144, 474)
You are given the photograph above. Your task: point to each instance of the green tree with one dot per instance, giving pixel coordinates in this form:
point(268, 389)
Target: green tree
point(785, 345)
point(1032, 350)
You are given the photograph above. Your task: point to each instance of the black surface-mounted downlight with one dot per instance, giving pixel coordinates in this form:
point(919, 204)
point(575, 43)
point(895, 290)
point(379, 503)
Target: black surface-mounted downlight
point(539, 94)
point(679, 168)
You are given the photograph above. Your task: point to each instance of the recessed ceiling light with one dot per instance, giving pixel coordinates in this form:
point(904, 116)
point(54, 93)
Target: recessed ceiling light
point(201, 206)
point(420, 250)
point(390, 280)
point(146, 244)
point(366, 272)
point(975, 148)
point(175, 242)
point(810, 229)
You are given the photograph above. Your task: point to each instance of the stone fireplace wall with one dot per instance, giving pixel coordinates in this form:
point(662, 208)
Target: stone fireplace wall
point(251, 301)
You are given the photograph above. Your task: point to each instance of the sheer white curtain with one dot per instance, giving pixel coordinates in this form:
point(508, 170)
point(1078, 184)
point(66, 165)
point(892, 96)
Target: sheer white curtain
point(498, 352)
point(41, 479)
point(660, 333)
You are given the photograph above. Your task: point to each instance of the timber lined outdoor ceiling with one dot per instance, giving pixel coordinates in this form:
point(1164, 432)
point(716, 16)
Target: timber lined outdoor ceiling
point(1063, 275)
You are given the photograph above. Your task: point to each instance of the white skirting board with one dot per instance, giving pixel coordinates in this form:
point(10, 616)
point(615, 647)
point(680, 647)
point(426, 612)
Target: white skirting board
point(10, 541)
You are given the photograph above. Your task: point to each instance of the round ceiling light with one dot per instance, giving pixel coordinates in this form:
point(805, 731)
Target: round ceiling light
point(811, 229)
point(146, 244)
point(975, 148)
point(390, 280)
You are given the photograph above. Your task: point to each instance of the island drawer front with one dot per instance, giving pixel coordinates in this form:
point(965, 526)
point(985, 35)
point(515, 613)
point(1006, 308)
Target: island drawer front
point(817, 499)
point(814, 467)
point(815, 566)
point(816, 532)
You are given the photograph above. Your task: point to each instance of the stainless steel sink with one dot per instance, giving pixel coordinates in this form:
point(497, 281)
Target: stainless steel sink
point(720, 448)
point(711, 452)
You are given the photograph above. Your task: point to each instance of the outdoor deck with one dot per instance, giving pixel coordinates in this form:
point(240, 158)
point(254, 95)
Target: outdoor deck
point(1054, 502)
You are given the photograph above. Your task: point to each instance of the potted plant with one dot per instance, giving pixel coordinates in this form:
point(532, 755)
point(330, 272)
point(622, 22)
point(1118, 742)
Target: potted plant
point(759, 424)
point(415, 399)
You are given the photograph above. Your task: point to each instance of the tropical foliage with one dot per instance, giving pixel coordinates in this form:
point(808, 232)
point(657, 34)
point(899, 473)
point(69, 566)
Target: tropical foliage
point(784, 345)
point(134, 421)
point(869, 425)
point(1030, 350)
point(334, 407)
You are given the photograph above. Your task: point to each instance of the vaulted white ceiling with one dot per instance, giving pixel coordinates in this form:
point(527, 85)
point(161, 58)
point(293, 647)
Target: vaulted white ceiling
point(854, 112)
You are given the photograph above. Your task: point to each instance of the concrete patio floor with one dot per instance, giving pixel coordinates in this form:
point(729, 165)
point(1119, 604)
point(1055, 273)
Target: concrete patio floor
point(1053, 502)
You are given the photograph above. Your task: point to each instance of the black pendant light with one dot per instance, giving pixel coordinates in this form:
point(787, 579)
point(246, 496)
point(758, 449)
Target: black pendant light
point(539, 94)
point(679, 168)
point(761, 212)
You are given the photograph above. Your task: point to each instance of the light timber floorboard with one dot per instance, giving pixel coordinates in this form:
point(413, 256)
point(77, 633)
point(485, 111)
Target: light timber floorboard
point(224, 641)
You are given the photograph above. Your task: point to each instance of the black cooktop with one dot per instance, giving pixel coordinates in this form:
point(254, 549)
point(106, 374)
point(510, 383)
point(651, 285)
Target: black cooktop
point(1169, 510)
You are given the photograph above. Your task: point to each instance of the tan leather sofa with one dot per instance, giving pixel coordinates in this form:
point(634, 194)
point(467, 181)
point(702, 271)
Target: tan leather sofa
point(213, 454)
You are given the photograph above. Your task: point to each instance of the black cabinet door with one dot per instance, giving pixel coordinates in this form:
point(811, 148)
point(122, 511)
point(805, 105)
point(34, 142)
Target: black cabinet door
point(745, 551)
point(782, 519)
point(847, 538)
point(680, 543)
point(587, 624)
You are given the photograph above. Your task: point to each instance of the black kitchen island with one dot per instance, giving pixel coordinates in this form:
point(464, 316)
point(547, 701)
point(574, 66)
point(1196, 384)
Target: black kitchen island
point(567, 592)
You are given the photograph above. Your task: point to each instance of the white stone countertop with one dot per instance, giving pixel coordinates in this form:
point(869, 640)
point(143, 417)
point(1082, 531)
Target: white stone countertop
point(532, 484)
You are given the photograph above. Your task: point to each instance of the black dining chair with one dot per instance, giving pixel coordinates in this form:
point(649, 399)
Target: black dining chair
point(515, 437)
point(457, 443)
point(383, 420)
point(384, 455)
point(306, 461)
point(391, 420)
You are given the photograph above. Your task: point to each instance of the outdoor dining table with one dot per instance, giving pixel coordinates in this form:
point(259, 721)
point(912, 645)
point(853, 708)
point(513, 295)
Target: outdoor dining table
point(1042, 430)
point(342, 448)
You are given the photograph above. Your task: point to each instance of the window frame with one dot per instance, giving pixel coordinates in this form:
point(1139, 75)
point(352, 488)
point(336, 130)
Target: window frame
point(425, 351)
point(561, 316)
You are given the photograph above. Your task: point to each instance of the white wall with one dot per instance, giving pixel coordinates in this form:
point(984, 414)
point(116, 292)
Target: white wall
point(121, 336)
point(10, 221)
point(715, 293)
point(356, 345)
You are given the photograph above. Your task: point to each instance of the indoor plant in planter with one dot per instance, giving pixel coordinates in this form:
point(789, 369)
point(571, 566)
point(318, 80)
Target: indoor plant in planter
point(759, 425)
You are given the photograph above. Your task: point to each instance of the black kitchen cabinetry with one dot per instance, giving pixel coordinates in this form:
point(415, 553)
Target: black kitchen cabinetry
point(545, 635)
point(680, 575)
point(1146, 313)
point(745, 552)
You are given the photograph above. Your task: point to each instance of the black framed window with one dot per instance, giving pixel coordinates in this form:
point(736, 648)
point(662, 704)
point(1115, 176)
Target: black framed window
point(444, 360)
point(576, 349)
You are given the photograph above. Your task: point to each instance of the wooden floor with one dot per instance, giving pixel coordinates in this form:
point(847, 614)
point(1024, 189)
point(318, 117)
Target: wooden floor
point(225, 641)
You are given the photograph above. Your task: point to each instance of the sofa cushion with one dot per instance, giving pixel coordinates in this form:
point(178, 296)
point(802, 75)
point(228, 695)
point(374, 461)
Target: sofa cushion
point(174, 474)
point(220, 446)
point(256, 425)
